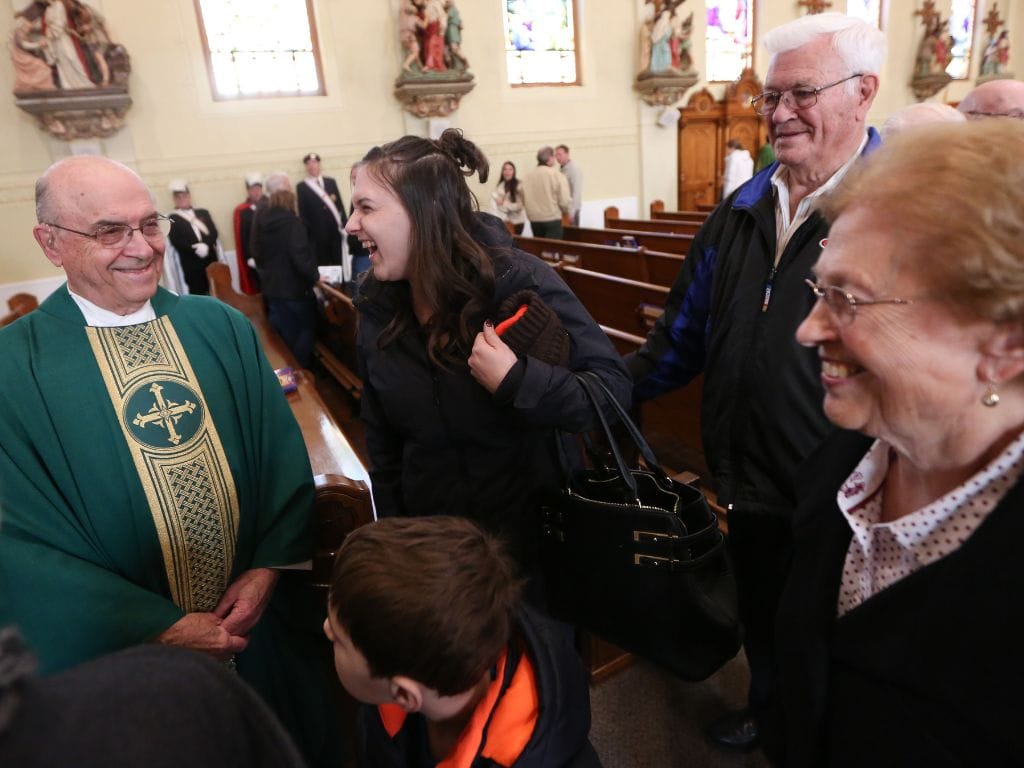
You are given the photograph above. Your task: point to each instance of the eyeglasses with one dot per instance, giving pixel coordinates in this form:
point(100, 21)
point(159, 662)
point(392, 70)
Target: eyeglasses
point(843, 305)
point(119, 235)
point(800, 98)
point(1016, 114)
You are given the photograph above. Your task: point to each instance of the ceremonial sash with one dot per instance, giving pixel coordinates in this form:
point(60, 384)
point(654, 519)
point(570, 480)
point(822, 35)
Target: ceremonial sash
point(322, 194)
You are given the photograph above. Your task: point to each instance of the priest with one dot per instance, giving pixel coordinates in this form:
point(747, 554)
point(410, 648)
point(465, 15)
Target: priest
point(154, 484)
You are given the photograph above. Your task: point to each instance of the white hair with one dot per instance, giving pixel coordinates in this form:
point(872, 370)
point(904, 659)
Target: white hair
point(920, 114)
point(275, 182)
point(860, 46)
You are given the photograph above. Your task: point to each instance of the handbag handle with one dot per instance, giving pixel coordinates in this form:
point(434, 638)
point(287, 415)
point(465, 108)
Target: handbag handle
point(590, 381)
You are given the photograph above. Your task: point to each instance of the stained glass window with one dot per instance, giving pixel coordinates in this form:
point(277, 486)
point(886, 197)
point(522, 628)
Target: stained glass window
point(260, 47)
point(730, 33)
point(961, 30)
point(866, 10)
point(540, 42)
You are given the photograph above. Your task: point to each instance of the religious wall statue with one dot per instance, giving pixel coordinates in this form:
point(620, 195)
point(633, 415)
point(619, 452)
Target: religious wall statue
point(434, 73)
point(995, 59)
point(934, 53)
point(666, 66)
point(67, 70)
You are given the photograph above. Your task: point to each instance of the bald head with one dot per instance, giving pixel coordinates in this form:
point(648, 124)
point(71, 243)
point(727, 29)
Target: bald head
point(995, 98)
point(922, 113)
point(74, 178)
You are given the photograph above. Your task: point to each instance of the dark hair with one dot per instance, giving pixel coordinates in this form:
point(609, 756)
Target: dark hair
point(734, 144)
point(433, 598)
point(563, 148)
point(544, 154)
point(447, 268)
point(511, 186)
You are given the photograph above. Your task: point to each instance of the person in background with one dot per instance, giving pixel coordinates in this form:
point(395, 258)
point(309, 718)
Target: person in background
point(508, 198)
point(155, 486)
point(739, 167)
point(740, 296)
point(921, 113)
point(765, 157)
point(430, 633)
point(194, 237)
point(574, 176)
point(996, 98)
point(546, 196)
point(455, 419)
point(322, 210)
point(287, 268)
point(248, 277)
point(894, 636)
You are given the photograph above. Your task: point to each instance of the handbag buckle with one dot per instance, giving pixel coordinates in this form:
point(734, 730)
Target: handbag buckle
point(653, 561)
point(653, 537)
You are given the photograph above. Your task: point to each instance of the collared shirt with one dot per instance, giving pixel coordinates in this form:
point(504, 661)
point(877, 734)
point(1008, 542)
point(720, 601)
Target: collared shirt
point(198, 227)
point(784, 227)
point(880, 554)
point(99, 317)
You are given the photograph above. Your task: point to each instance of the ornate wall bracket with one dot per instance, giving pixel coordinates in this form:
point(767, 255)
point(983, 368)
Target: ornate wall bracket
point(435, 97)
point(929, 85)
point(663, 90)
point(93, 114)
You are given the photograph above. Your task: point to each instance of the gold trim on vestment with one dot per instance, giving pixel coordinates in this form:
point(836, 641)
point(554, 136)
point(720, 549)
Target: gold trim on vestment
point(178, 455)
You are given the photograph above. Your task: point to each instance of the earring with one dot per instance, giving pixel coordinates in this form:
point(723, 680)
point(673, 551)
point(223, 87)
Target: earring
point(991, 397)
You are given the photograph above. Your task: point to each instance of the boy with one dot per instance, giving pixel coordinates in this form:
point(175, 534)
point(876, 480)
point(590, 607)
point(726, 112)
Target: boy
point(429, 630)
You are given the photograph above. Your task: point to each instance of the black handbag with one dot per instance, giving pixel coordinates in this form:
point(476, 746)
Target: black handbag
point(637, 558)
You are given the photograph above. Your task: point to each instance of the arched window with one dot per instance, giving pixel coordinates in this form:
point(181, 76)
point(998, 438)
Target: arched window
point(961, 30)
point(866, 10)
point(540, 42)
point(730, 36)
point(260, 48)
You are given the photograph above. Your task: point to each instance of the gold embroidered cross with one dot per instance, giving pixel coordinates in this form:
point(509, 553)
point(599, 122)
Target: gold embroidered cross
point(165, 413)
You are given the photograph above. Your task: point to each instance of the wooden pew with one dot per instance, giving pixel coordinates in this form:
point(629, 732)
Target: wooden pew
point(658, 212)
point(656, 242)
point(612, 221)
point(19, 304)
point(342, 502)
point(336, 341)
point(615, 302)
point(622, 262)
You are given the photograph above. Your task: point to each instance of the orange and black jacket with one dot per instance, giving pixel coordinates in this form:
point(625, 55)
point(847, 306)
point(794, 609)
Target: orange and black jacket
point(536, 713)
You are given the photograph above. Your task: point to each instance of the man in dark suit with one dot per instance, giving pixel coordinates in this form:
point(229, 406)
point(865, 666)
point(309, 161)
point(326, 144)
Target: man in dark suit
point(323, 212)
point(194, 236)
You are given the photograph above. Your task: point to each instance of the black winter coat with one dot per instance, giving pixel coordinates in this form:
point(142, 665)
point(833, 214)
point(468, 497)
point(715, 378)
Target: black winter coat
point(439, 443)
point(560, 737)
point(285, 261)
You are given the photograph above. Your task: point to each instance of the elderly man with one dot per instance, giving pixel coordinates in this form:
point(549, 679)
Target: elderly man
point(248, 278)
point(546, 196)
point(194, 236)
point(996, 98)
point(152, 477)
point(574, 176)
point(737, 302)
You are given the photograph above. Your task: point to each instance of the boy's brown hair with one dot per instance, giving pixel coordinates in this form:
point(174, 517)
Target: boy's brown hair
point(431, 598)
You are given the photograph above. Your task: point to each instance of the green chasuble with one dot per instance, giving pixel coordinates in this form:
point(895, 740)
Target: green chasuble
point(142, 469)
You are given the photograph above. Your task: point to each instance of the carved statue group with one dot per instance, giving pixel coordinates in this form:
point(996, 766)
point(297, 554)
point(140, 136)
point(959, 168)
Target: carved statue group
point(431, 35)
point(665, 39)
point(63, 45)
point(996, 58)
point(935, 50)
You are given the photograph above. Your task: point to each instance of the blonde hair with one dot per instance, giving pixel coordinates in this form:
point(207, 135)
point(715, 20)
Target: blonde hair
point(954, 194)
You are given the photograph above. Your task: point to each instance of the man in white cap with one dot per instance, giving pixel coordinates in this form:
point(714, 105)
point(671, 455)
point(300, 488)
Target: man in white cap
point(323, 212)
point(194, 236)
point(248, 279)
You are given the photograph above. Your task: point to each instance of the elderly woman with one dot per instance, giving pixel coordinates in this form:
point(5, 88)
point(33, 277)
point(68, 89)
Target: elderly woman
point(456, 422)
point(898, 633)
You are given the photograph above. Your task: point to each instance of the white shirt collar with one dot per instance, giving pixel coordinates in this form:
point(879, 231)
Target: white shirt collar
point(103, 318)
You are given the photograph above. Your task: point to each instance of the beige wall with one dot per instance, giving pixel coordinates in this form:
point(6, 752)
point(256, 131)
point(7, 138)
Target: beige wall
point(175, 129)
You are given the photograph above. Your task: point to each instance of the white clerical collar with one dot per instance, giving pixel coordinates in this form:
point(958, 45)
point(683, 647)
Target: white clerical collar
point(104, 318)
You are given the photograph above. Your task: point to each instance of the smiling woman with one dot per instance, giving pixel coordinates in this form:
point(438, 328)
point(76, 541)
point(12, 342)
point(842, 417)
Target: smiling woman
point(457, 422)
point(907, 537)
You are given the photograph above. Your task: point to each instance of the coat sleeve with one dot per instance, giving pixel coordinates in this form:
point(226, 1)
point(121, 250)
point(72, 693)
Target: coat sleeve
point(550, 395)
point(302, 259)
point(674, 351)
point(181, 235)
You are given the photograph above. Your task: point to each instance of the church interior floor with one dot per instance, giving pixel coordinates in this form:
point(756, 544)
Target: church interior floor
point(643, 717)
